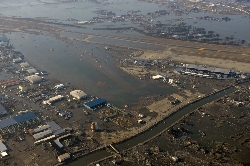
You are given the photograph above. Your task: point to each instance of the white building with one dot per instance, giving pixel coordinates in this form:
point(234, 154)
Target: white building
point(63, 157)
point(17, 60)
point(78, 94)
point(53, 99)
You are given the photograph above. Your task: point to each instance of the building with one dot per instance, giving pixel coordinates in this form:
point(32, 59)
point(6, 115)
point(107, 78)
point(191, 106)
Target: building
point(42, 134)
point(23, 88)
point(34, 79)
point(94, 103)
point(78, 94)
point(53, 99)
point(24, 65)
point(13, 122)
point(157, 77)
point(17, 60)
point(3, 149)
point(2, 111)
point(63, 157)
point(60, 86)
point(32, 71)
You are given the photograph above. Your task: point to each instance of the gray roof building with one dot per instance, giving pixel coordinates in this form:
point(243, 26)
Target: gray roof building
point(34, 79)
point(3, 148)
point(2, 110)
point(43, 134)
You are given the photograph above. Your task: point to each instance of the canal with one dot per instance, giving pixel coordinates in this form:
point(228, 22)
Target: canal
point(166, 123)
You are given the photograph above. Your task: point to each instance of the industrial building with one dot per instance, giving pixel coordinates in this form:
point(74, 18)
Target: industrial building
point(50, 130)
point(53, 99)
point(206, 69)
point(17, 120)
point(78, 94)
point(34, 79)
point(94, 103)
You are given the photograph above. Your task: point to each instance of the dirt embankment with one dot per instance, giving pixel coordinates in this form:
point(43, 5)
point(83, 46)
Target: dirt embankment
point(218, 61)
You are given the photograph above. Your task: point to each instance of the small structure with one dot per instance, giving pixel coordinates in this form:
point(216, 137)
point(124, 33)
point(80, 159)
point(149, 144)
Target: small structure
point(32, 71)
point(24, 65)
point(94, 103)
point(94, 126)
point(60, 86)
point(157, 77)
point(17, 60)
point(63, 157)
point(34, 79)
point(171, 81)
point(78, 94)
point(23, 88)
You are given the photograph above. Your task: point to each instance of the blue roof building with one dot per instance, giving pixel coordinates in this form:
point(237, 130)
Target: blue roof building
point(95, 103)
point(24, 117)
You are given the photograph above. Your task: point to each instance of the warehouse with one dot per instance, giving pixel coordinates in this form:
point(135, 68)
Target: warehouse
point(6, 124)
point(94, 103)
point(40, 128)
point(42, 134)
point(78, 94)
point(34, 79)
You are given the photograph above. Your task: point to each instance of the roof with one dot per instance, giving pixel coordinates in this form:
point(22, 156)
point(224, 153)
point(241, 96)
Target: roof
point(55, 128)
point(24, 117)
point(64, 156)
point(53, 99)
point(24, 64)
point(58, 143)
point(94, 103)
point(32, 71)
point(34, 78)
point(7, 122)
point(2, 147)
point(42, 134)
point(2, 110)
point(78, 94)
point(41, 128)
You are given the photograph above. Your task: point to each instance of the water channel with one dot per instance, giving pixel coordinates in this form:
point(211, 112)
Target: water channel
point(166, 123)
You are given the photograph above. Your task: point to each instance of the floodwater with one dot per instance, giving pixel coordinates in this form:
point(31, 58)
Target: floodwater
point(84, 70)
